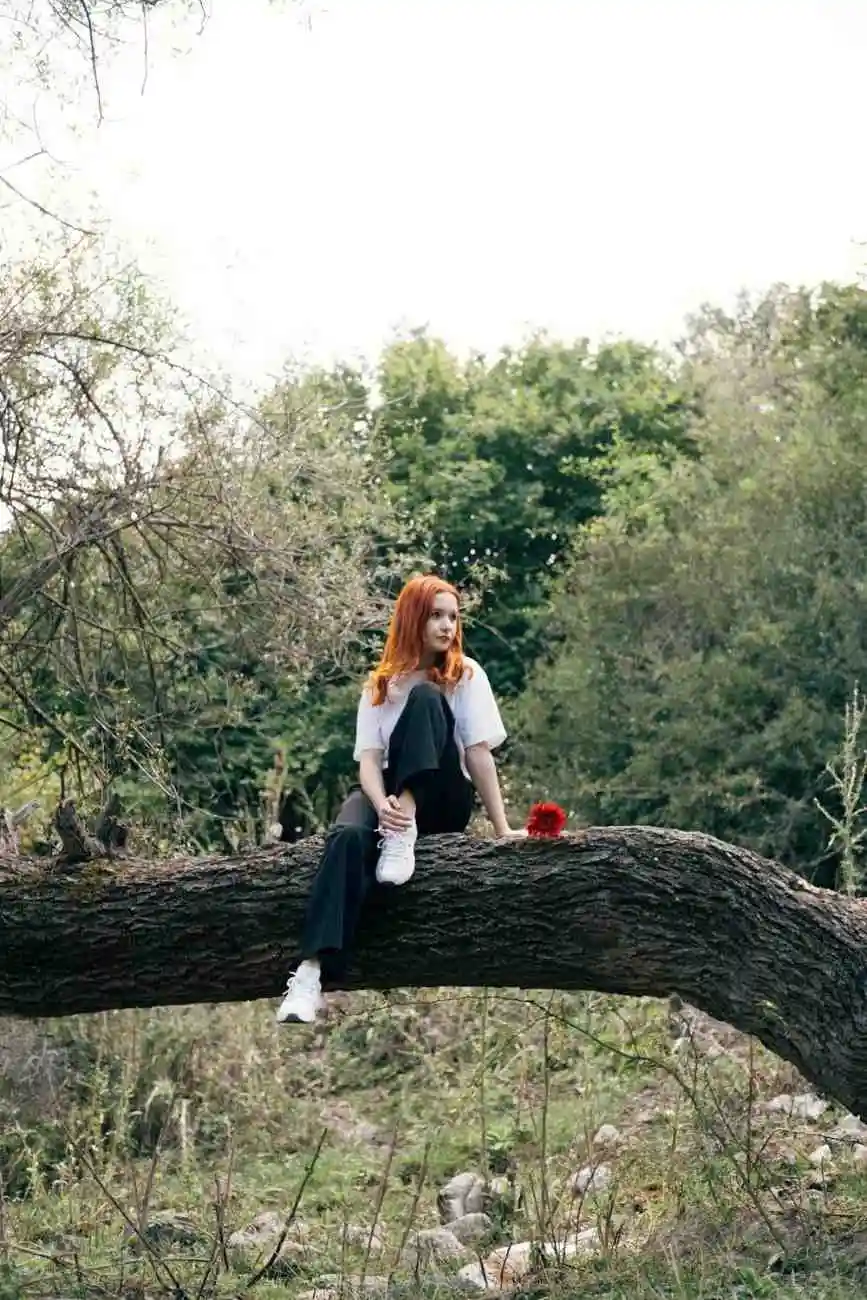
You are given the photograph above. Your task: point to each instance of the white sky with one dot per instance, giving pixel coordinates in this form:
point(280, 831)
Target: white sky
point(486, 166)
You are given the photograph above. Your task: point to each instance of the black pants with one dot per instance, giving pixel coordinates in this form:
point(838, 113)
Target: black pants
point(423, 758)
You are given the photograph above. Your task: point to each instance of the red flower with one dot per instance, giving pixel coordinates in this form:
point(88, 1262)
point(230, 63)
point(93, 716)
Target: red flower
point(546, 821)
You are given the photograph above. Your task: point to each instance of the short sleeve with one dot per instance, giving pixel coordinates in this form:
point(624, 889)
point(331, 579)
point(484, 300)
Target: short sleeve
point(477, 717)
point(367, 730)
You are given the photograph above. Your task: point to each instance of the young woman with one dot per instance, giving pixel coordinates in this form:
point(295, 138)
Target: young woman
point(427, 723)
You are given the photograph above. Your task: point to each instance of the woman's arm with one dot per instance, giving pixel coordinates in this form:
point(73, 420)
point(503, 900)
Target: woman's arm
point(391, 816)
point(483, 773)
point(370, 776)
point(480, 728)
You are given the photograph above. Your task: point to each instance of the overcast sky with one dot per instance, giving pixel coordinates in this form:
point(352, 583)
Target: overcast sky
point(485, 166)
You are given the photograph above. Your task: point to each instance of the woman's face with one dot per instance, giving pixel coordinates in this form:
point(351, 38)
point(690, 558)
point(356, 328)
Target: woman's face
point(442, 625)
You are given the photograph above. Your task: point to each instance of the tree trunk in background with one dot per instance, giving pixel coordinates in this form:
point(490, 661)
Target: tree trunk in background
point(631, 910)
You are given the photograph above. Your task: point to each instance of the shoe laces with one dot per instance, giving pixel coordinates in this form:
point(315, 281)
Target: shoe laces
point(301, 981)
point(399, 839)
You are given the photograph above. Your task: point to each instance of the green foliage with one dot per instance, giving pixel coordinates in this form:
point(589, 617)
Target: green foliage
point(710, 625)
point(847, 776)
point(126, 1118)
point(674, 545)
point(177, 568)
point(181, 674)
point(495, 462)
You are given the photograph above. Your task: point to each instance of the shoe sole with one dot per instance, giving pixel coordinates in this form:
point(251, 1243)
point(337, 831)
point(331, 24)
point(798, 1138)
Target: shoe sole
point(396, 883)
point(294, 1019)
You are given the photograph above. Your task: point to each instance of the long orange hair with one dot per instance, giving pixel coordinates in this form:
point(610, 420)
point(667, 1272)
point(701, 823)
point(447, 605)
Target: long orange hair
point(404, 643)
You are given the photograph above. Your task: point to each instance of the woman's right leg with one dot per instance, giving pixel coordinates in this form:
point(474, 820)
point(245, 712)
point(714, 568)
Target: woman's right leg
point(343, 879)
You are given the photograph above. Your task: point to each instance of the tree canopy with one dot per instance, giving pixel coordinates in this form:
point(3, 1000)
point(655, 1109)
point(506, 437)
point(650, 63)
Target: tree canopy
point(660, 554)
point(709, 623)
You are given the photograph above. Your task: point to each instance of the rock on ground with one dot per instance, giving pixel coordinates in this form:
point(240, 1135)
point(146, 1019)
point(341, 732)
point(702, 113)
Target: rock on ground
point(505, 1268)
point(168, 1228)
point(471, 1228)
point(359, 1236)
point(331, 1286)
point(607, 1136)
point(463, 1194)
point(250, 1246)
point(591, 1179)
point(432, 1244)
point(803, 1106)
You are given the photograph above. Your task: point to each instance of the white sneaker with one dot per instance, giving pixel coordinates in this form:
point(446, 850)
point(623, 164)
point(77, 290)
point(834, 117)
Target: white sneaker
point(303, 998)
point(397, 856)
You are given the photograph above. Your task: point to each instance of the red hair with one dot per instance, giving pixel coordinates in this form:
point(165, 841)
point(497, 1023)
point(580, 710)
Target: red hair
point(404, 643)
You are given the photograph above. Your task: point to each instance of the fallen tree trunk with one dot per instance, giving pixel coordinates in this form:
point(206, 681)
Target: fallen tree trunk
point(630, 910)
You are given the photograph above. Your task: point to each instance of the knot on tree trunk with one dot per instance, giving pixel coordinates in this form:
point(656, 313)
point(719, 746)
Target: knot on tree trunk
point(107, 839)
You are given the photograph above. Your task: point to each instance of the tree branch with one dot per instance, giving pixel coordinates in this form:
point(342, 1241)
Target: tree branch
point(96, 527)
point(10, 824)
point(633, 910)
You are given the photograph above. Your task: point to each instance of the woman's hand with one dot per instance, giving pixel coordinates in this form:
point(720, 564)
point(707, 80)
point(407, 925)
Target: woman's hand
point(392, 817)
point(508, 834)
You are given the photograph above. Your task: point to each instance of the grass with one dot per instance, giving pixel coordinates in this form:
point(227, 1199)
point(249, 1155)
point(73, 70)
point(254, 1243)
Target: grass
point(111, 1121)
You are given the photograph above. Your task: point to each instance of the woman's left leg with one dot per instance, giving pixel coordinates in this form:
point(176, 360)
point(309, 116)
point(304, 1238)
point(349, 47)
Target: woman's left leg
point(424, 764)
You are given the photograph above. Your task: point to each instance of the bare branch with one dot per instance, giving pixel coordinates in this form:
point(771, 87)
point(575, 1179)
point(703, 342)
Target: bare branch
point(151, 523)
point(46, 212)
point(93, 58)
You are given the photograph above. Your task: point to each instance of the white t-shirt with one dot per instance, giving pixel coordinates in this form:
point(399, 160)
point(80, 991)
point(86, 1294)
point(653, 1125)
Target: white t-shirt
point(477, 717)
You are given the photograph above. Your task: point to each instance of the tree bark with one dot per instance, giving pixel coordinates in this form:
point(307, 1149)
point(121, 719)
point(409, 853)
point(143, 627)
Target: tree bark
point(630, 910)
